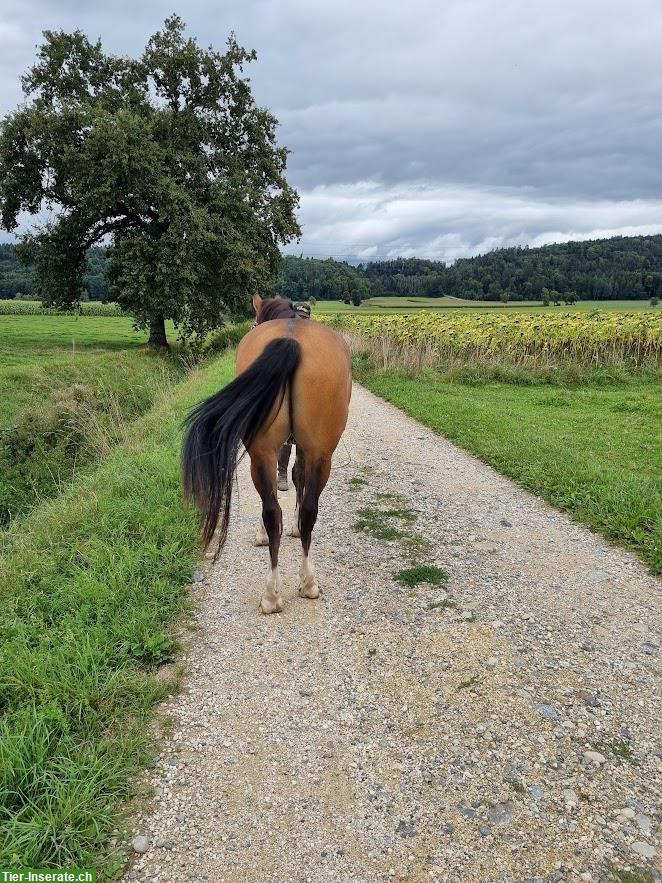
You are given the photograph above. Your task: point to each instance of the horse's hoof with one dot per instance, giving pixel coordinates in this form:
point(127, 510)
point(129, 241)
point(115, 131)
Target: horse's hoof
point(261, 538)
point(271, 605)
point(294, 531)
point(309, 590)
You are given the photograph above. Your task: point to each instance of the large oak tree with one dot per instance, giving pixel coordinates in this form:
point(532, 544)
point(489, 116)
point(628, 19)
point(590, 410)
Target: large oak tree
point(167, 158)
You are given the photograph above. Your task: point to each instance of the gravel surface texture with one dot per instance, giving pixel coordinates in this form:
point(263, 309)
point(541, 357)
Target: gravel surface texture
point(502, 725)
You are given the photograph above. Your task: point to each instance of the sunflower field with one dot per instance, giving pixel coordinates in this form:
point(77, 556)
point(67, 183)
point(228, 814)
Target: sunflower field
point(600, 338)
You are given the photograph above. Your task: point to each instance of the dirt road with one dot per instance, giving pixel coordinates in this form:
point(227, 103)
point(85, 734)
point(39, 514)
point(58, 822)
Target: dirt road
point(503, 726)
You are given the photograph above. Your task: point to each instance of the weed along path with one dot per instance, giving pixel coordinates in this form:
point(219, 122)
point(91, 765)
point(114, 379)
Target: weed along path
point(498, 721)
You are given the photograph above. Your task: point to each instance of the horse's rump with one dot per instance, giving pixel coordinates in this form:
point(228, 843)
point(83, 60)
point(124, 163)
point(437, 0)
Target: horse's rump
point(315, 407)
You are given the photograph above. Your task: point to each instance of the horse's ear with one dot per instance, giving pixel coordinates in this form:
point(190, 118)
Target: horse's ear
point(257, 304)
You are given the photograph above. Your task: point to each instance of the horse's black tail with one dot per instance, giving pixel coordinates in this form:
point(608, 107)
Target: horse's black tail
point(217, 426)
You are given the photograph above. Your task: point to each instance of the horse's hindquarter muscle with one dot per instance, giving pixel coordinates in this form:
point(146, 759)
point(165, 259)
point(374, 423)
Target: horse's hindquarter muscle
point(321, 387)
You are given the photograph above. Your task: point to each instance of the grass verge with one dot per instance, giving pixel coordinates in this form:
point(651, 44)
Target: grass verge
point(593, 450)
point(90, 584)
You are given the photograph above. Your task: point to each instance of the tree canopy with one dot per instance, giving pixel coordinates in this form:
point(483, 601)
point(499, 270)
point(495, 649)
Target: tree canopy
point(324, 280)
point(167, 158)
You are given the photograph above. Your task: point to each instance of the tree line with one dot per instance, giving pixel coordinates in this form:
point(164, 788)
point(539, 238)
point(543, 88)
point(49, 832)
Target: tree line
point(18, 279)
point(622, 268)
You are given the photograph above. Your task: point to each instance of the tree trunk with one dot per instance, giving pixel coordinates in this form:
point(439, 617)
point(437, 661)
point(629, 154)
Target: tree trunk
point(157, 334)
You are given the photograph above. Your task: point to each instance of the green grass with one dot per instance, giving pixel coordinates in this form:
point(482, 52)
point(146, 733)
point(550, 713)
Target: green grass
point(593, 450)
point(620, 748)
point(68, 387)
point(421, 573)
point(376, 523)
point(389, 305)
point(89, 585)
point(38, 353)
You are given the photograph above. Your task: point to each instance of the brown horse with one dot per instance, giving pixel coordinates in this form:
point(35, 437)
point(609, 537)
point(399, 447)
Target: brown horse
point(293, 379)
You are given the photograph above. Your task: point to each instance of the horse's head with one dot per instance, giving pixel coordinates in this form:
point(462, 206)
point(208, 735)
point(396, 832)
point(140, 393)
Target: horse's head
point(272, 308)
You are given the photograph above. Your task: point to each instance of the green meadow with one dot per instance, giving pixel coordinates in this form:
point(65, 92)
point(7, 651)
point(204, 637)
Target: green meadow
point(91, 581)
point(69, 386)
point(388, 305)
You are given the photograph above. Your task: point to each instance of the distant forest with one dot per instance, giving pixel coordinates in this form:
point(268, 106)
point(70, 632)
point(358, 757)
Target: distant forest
point(17, 280)
point(622, 268)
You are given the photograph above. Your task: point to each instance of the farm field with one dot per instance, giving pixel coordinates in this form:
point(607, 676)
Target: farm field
point(68, 387)
point(569, 405)
point(388, 305)
point(17, 307)
point(432, 339)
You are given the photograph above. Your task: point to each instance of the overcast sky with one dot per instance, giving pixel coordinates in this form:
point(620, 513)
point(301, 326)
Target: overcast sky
point(436, 128)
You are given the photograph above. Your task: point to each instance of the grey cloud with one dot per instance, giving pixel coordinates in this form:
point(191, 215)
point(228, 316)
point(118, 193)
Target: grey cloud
point(370, 221)
point(518, 120)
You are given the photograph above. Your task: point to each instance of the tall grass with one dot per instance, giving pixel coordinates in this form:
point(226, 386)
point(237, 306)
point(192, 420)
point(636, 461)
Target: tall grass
point(226, 337)
point(384, 353)
point(65, 428)
point(90, 583)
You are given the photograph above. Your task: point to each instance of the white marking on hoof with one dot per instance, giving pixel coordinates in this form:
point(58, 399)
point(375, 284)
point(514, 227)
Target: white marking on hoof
point(308, 585)
point(261, 537)
point(271, 605)
point(310, 590)
point(272, 601)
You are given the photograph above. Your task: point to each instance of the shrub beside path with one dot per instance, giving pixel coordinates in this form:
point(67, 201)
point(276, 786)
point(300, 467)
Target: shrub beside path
point(503, 726)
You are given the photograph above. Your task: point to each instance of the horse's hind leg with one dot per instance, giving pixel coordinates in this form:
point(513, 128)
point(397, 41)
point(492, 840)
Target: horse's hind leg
point(263, 473)
point(297, 481)
point(317, 472)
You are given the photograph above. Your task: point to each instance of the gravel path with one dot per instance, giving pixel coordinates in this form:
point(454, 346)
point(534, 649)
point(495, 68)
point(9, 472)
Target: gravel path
point(503, 727)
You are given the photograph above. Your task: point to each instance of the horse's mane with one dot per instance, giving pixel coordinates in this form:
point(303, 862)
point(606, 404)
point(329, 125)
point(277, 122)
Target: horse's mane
point(276, 308)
